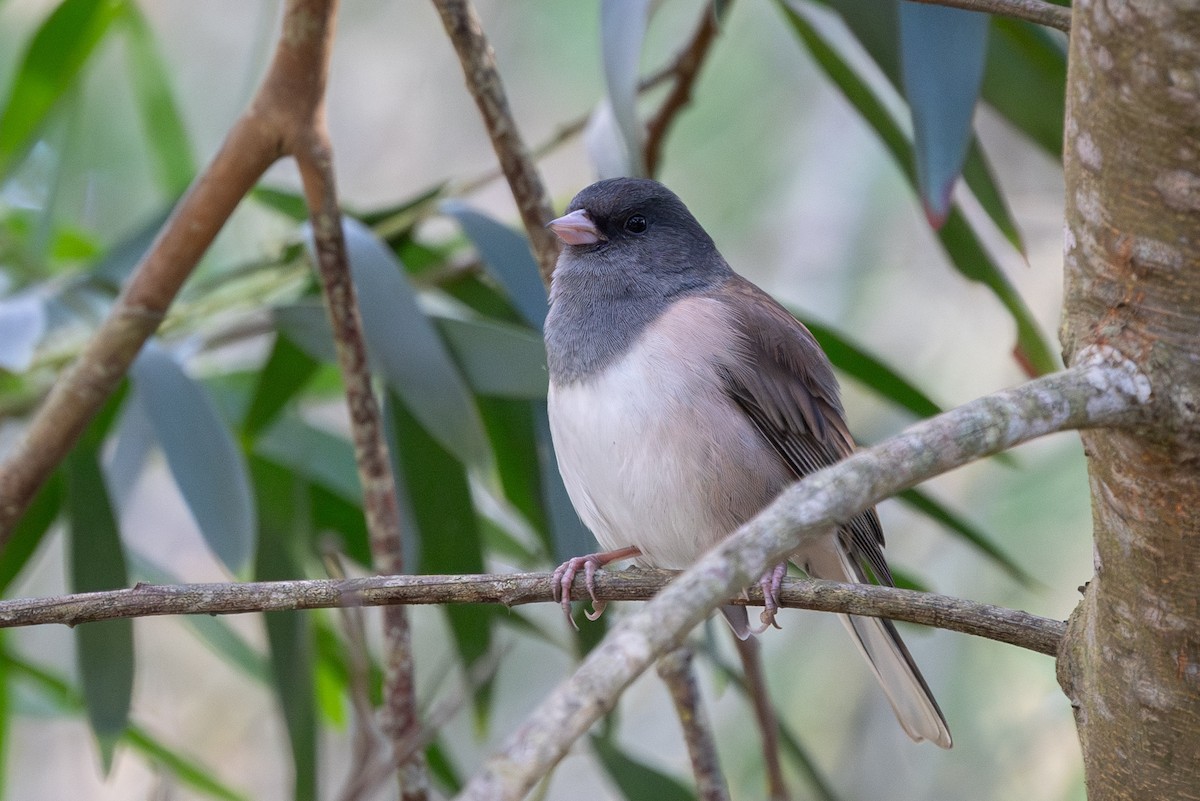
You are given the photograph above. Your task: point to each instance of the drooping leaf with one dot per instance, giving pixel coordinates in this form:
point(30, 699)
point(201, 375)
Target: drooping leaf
point(289, 204)
point(508, 258)
point(413, 360)
point(435, 490)
point(875, 24)
point(571, 537)
point(932, 508)
point(48, 68)
point(286, 372)
point(306, 325)
point(854, 361)
point(967, 253)
point(511, 426)
point(22, 325)
point(103, 649)
point(165, 131)
point(67, 699)
point(497, 358)
point(622, 30)
point(334, 515)
point(442, 769)
point(317, 455)
point(942, 54)
point(636, 780)
point(1026, 80)
point(283, 525)
point(29, 531)
point(206, 463)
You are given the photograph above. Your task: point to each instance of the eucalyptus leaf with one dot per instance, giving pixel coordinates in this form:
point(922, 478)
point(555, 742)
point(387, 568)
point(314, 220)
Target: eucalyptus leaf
point(935, 510)
point(48, 68)
point(414, 361)
point(30, 530)
point(498, 359)
point(207, 464)
point(942, 54)
point(103, 649)
point(508, 258)
point(285, 374)
point(636, 780)
point(622, 31)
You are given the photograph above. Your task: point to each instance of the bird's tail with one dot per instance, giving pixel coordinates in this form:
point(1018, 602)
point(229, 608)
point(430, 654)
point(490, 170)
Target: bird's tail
point(887, 655)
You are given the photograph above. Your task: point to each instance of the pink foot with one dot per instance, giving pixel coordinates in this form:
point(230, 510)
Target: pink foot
point(564, 577)
point(771, 582)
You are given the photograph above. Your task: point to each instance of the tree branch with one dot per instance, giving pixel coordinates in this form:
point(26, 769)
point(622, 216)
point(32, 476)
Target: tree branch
point(516, 589)
point(1035, 11)
point(1105, 390)
point(675, 669)
point(483, 80)
point(685, 69)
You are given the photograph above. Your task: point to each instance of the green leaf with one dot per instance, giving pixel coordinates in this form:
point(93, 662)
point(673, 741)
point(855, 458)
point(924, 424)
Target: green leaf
point(1026, 80)
point(289, 204)
point(856, 362)
point(622, 31)
point(207, 465)
point(942, 55)
point(66, 698)
point(968, 255)
point(333, 514)
point(104, 649)
point(412, 358)
point(48, 68)
point(286, 372)
point(435, 490)
point(320, 457)
point(30, 529)
point(497, 358)
point(638, 781)
point(508, 258)
point(511, 426)
point(165, 131)
point(283, 524)
point(442, 769)
point(934, 509)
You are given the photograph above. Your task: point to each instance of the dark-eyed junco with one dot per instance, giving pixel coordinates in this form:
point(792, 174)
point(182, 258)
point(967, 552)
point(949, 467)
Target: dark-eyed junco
point(683, 399)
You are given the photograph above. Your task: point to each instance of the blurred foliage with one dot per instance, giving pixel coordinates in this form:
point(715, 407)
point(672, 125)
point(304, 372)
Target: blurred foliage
point(453, 328)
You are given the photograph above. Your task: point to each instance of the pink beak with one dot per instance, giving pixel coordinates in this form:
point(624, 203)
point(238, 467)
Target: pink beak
point(576, 228)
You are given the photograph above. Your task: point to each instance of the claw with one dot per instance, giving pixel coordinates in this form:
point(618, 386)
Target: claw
point(771, 583)
point(564, 576)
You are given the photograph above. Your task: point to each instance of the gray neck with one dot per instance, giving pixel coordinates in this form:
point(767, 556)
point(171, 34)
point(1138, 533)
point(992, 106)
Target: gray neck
point(599, 307)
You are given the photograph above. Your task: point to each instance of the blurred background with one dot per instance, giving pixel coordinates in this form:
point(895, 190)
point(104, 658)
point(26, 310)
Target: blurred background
point(800, 196)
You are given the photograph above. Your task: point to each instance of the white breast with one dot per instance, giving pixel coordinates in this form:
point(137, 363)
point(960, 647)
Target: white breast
point(652, 451)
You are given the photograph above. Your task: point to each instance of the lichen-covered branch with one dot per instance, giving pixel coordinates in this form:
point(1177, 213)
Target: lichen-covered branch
point(1106, 392)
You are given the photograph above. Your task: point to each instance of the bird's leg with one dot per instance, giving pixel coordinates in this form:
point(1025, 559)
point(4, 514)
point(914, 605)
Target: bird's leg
point(564, 577)
point(771, 583)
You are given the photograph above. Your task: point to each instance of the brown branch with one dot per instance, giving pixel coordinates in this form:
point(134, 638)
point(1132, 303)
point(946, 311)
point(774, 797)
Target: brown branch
point(314, 157)
point(483, 80)
point(514, 589)
point(1035, 11)
point(685, 70)
point(675, 669)
point(1107, 390)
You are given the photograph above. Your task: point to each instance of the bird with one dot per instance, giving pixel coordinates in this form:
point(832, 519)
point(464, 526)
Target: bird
point(682, 399)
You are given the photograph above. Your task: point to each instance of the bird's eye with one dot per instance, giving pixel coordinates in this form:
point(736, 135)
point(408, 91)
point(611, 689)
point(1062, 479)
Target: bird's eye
point(636, 224)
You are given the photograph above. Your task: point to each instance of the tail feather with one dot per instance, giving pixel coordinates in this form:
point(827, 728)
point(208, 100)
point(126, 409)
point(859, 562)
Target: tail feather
point(887, 655)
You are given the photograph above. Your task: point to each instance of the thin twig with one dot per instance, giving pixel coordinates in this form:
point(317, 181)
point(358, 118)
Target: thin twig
point(1036, 11)
point(685, 70)
point(675, 669)
point(1105, 391)
point(514, 589)
point(483, 80)
point(750, 652)
point(380, 505)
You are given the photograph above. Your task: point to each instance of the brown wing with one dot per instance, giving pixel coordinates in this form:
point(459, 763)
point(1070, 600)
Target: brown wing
point(786, 387)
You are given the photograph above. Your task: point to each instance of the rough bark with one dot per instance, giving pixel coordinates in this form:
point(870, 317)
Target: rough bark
point(1131, 659)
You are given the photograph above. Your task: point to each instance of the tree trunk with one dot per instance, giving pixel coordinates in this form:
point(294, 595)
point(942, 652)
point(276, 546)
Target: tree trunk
point(1130, 662)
